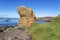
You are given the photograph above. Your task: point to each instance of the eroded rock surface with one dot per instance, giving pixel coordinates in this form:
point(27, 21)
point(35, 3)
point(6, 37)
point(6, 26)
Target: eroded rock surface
point(14, 34)
point(27, 16)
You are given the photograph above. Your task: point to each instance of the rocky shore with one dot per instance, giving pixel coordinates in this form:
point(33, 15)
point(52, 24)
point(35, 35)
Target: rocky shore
point(19, 32)
point(13, 33)
point(48, 19)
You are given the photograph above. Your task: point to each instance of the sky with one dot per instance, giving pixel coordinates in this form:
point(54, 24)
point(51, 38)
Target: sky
point(41, 8)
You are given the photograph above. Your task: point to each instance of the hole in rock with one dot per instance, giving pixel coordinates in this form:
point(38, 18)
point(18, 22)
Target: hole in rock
point(1, 30)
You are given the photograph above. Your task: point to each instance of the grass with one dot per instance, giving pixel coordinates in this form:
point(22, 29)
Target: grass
point(46, 31)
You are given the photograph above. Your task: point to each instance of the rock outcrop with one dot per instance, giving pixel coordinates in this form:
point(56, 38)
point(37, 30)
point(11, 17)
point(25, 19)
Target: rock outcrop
point(27, 16)
point(14, 34)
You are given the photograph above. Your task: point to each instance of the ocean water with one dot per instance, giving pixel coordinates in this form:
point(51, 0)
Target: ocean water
point(13, 21)
point(8, 21)
point(41, 21)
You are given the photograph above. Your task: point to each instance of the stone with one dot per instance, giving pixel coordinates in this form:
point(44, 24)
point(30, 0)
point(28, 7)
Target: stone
point(27, 17)
point(15, 34)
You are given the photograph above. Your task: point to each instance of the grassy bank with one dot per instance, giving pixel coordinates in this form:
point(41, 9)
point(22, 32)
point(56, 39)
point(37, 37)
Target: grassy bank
point(46, 31)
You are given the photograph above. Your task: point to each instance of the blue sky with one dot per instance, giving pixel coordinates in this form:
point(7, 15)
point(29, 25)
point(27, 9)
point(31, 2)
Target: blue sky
point(41, 8)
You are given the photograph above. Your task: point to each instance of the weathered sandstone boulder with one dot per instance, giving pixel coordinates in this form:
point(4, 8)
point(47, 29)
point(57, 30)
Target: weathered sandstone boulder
point(27, 16)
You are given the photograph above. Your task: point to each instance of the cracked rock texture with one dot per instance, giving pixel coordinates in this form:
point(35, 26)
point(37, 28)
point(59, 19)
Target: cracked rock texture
point(14, 34)
point(27, 17)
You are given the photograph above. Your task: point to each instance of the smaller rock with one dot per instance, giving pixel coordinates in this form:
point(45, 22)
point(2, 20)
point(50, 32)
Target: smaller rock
point(9, 38)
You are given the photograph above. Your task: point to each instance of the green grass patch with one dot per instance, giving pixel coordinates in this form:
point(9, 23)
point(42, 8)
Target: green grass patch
point(46, 31)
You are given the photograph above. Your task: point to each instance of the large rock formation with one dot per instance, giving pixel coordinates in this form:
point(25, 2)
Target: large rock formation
point(16, 33)
point(27, 16)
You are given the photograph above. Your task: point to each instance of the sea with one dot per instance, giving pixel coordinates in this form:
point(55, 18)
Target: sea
point(8, 21)
point(13, 21)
